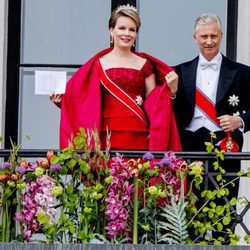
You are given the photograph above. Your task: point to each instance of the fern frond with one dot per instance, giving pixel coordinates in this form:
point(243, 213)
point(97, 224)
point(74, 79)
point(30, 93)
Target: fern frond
point(173, 230)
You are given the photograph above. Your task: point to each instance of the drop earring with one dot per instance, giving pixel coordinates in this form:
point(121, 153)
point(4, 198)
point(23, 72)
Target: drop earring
point(112, 41)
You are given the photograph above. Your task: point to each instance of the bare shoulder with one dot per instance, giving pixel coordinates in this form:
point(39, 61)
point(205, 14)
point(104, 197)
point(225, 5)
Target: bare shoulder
point(106, 60)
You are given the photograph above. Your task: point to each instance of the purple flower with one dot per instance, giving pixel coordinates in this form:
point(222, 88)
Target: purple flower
point(38, 198)
point(114, 228)
point(56, 167)
point(18, 217)
point(148, 156)
point(162, 163)
point(28, 216)
point(20, 170)
point(28, 235)
point(5, 165)
point(112, 199)
point(128, 188)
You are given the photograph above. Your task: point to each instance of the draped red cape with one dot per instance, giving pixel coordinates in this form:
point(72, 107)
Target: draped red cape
point(81, 105)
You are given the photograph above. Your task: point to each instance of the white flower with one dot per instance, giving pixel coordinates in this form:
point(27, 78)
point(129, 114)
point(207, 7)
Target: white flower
point(139, 100)
point(236, 114)
point(233, 100)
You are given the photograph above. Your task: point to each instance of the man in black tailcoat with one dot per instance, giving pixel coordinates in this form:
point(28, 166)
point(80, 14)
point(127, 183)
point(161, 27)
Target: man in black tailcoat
point(213, 95)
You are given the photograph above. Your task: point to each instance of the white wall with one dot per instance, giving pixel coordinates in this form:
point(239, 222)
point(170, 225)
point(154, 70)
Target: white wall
point(3, 35)
point(243, 56)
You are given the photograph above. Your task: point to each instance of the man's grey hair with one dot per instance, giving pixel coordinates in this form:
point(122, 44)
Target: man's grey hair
point(207, 18)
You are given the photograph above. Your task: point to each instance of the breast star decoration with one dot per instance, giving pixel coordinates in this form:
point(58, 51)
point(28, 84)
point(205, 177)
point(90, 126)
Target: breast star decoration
point(233, 100)
point(236, 114)
point(139, 100)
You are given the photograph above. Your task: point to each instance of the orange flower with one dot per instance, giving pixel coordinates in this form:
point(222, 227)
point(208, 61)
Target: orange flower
point(133, 167)
point(44, 164)
point(50, 153)
point(24, 164)
point(4, 178)
point(14, 177)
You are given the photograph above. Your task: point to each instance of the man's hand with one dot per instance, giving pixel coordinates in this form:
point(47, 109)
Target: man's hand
point(172, 81)
point(230, 123)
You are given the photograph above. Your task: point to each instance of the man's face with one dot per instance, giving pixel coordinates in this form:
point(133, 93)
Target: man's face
point(208, 37)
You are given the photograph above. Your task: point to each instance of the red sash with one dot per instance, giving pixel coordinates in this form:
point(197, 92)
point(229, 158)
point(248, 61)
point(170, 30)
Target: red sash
point(206, 106)
point(119, 94)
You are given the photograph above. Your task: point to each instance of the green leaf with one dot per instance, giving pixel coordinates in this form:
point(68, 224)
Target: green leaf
point(54, 159)
point(7, 193)
point(70, 189)
point(210, 214)
point(216, 165)
point(212, 204)
point(241, 173)
point(205, 209)
point(203, 193)
point(226, 220)
point(79, 142)
point(219, 210)
point(219, 177)
point(64, 170)
point(233, 201)
point(221, 192)
point(219, 226)
point(66, 156)
point(209, 147)
point(213, 135)
point(71, 163)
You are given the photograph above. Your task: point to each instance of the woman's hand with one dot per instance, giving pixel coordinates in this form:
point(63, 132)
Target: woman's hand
point(172, 81)
point(56, 99)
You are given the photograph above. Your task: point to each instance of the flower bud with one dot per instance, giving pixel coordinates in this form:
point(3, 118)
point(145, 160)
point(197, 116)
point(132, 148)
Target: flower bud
point(11, 183)
point(20, 186)
point(146, 227)
point(109, 179)
point(87, 210)
point(162, 194)
point(50, 153)
point(56, 191)
point(39, 171)
point(146, 165)
point(153, 190)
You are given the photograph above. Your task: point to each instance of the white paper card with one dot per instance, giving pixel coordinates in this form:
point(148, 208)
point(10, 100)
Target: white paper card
point(49, 82)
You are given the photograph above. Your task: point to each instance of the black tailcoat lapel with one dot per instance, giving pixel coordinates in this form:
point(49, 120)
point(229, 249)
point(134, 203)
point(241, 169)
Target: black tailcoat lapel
point(225, 79)
point(189, 80)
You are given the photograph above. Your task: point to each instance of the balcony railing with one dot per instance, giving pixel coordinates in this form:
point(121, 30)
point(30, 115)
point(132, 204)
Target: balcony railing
point(188, 156)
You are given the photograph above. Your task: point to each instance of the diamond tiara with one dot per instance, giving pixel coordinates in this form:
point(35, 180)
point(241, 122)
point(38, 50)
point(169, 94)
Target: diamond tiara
point(126, 7)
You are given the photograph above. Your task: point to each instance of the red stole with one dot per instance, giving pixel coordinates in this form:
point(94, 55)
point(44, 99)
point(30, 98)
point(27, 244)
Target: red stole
point(81, 105)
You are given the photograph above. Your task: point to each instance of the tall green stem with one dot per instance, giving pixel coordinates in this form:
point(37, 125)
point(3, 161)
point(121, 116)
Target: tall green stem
point(135, 226)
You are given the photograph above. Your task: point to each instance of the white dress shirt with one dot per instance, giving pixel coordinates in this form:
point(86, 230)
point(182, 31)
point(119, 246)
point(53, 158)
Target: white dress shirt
point(207, 77)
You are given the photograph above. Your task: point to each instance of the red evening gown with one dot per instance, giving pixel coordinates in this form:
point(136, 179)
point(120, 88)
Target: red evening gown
point(128, 131)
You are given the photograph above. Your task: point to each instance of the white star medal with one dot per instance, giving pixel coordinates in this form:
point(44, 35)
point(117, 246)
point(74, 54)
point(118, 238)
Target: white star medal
point(139, 100)
point(233, 100)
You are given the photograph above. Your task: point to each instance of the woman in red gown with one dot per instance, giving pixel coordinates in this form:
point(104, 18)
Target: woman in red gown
point(118, 90)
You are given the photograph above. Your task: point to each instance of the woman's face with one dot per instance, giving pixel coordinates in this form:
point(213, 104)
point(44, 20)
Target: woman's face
point(124, 32)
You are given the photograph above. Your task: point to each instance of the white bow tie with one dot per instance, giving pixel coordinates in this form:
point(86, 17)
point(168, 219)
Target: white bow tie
point(213, 65)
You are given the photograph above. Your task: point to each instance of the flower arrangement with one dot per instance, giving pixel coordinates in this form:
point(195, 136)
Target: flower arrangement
point(85, 197)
